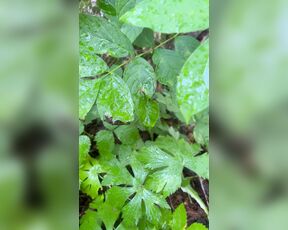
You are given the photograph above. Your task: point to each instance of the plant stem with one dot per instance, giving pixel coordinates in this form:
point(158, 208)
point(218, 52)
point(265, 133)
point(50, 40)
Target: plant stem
point(140, 55)
point(188, 189)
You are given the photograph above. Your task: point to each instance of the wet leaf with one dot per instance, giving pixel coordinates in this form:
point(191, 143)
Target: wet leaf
point(145, 39)
point(84, 146)
point(114, 100)
point(185, 45)
point(101, 36)
point(192, 91)
point(197, 226)
point(90, 64)
point(168, 65)
point(179, 218)
point(140, 78)
point(132, 32)
point(88, 90)
point(170, 16)
point(147, 111)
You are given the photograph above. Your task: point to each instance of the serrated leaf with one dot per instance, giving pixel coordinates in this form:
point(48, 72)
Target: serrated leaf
point(170, 16)
point(132, 211)
point(179, 218)
point(84, 146)
point(199, 164)
point(169, 169)
point(101, 36)
point(127, 134)
point(90, 221)
point(147, 111)
point(114, 100)
point(88, 90)
point(89, 177)
point(167, 157)
point(145, 39)
point(197, 226)
point(140, 77)
point(111, 208)
point(168, 65)
point(105, 143)
point(192, 92)
point(185, 45)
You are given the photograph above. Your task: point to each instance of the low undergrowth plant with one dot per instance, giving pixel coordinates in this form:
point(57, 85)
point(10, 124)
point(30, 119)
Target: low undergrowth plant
point(143, 112)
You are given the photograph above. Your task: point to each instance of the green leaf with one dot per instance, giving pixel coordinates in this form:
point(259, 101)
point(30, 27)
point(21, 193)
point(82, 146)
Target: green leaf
point(84, 146)
point(105, 143)
point(171, 16)
point(88, 90)
point(90, 64)
point(111, 208)
point(197, 226)
point(132, 211)
point(101, 36)
point(167, 176)
point(122, 6)
point(127, 134)
point(89, 177)
point(199, 164)
point(132, 32)
point(179, 218)
point(192, 92)
point(201, 129)
point(90, 221)
point(168, 65)
point(106, 6)
point(140, 77)
point(81, 127)
point(145, 39)
point(147, 111)
point(185, 45)
point(167, 157)
point(114, 100)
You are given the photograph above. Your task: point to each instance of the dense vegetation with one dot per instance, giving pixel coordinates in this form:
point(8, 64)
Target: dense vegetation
point(143, 114)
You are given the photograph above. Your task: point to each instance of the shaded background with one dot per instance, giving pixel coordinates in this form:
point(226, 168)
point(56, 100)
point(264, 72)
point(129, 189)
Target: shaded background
point(38, 115)
point(248, 114)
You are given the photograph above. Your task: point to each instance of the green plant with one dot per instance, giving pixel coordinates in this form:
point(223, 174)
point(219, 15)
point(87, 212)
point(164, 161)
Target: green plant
point(143, 110)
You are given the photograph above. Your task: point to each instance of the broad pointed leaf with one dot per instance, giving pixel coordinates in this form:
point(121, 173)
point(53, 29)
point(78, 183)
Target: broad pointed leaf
point(147, 111)
point(170, 16)
point(185, 45)
point(179, 218)
point(192, 91)
point(114, 100)
point(88, 90)
point(168, 65)
point(140, 77)
point(100, 36)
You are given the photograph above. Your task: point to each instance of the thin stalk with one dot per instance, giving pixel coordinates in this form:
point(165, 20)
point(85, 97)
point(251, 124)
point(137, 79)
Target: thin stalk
point(139, 55)
point(189, 190)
